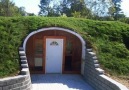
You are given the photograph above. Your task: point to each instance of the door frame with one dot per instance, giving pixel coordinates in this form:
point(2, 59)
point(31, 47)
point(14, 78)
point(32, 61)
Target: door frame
point(64, 47)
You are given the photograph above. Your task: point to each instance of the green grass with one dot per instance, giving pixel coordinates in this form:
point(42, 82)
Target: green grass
point(106, 37)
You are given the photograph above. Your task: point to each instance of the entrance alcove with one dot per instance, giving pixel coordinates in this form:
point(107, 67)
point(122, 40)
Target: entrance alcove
point(55, 50)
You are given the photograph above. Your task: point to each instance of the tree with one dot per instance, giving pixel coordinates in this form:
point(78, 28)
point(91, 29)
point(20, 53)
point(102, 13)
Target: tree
point(115, 9)
point(21, 11)
point(31, 14)
point(65, 8)
point(106, 9)
point(98, 7)
point(68, 7)
point(76, 8)
point(5, 8)
point(46, 9)
point(80, 6)
point(8, 8)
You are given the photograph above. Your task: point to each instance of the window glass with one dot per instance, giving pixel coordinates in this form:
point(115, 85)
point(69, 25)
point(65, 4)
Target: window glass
point(38, 57)
point(68, 47)
point(38, 61)
point(38, 46)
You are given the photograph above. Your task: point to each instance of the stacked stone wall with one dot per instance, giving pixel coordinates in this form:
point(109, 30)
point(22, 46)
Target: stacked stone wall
point(94, 75)
point(21, 81)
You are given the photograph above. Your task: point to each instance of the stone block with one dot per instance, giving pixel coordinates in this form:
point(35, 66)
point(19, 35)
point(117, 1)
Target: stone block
point(11, 81)
point(102, 87)
point(23, 87)
point(94, 58)
point(100, 71)
point(16, 88)
point(3, 82)
point(96, 65)
point(97, 88)
point(95, 61)
point(17, 85)
point(24, 65)
point(23, 57)
point(21, 79)
point(21, 49)
point(22, 53)
point(92, 53)
point(109, 88)
point(27, 77)
point(25, 71)
point(26, 82)
point(8, 87)
point(29, 88)
point(89, 50)
point(101, 80)
point(113, 84)
point(107, 82)
point(24, 61)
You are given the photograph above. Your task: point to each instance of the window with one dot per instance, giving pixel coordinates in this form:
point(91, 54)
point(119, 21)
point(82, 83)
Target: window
point(68, 48)
point(38, 57)
point(54, 43)
point(38, 46)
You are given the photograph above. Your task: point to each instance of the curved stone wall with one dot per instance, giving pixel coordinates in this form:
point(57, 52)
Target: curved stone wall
point(20, 82)
point(94, 75)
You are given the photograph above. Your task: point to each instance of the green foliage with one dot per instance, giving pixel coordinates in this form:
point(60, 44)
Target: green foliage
point(76, 14)
point(125, 20)
point(115, 10)
point(72, 8)
point(8, 9)
point(106, 37)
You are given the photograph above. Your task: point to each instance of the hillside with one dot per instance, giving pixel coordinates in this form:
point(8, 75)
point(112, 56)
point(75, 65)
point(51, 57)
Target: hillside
point(109, 39)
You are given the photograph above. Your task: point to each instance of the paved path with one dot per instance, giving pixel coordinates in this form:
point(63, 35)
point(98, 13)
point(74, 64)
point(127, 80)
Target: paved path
point(59, 82)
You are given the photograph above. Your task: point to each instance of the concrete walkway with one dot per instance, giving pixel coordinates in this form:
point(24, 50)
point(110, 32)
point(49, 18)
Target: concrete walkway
point(59, 82)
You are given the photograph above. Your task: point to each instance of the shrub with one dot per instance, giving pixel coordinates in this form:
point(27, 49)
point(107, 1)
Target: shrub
point(105, 36)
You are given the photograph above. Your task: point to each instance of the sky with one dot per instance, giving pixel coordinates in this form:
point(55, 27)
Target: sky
point(31, 6)
point(125, 7)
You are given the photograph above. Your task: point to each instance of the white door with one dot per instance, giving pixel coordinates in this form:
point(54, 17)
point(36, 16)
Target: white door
point(54, 55)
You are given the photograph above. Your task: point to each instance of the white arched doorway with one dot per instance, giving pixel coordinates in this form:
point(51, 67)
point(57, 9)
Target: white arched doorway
point(60, 29)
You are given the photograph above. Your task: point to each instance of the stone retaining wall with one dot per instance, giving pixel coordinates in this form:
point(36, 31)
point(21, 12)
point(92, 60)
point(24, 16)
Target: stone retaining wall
point(20, 82)
point(92, 73)
point(95, 75)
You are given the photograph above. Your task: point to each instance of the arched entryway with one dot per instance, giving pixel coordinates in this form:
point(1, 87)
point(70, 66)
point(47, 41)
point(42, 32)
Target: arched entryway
point(54, 50)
